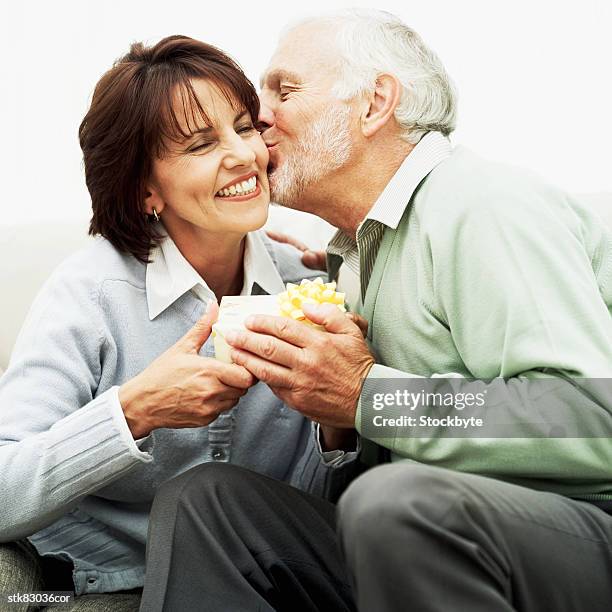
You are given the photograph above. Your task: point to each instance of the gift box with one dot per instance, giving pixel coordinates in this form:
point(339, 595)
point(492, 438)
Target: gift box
point(234, 309)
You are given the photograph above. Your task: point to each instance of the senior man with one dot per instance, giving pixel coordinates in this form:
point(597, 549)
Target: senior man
point(465, 267)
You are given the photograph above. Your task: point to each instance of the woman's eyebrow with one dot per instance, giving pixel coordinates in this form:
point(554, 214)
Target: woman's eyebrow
point(206, 130)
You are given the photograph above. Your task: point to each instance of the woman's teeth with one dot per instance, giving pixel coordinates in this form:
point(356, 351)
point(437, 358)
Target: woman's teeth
point(243, 188)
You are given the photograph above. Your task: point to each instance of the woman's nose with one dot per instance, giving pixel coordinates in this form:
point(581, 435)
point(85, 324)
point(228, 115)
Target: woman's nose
point(240, 152)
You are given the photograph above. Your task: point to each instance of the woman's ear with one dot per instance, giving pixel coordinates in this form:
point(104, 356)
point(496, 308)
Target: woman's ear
point(153, 200)
point(382, 104)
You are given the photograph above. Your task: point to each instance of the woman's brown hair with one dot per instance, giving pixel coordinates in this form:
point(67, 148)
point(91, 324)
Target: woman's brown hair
point(132, 118)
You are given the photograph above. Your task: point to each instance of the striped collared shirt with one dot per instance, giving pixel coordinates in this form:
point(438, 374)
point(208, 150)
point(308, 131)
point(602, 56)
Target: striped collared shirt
point(387, 211)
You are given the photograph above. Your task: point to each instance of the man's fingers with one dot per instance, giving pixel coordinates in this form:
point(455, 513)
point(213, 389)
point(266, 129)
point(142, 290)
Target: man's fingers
point(330, 317)
point(265, 346)
point(195, 338)
point(361, 323)
point(283, 394)
point(233, 375)
point(286, 329)
point(269, 373)
point(286, 239)
point(315, 260)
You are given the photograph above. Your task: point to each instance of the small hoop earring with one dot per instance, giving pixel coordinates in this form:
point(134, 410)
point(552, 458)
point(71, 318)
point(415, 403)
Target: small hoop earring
point(155, 214)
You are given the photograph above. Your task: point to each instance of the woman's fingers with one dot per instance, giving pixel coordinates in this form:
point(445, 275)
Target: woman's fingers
point(195, 338)
point(224, 405)
point(226, 393)
point(180, 389)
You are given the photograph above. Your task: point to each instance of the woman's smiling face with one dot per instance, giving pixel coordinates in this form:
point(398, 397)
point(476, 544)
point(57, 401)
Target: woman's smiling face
point(215, 178)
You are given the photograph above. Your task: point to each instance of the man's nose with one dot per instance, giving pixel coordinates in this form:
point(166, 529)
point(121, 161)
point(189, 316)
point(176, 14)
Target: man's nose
point(266, 115)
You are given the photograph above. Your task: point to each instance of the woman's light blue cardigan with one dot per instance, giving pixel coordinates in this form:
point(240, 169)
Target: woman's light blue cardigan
point(71, 476)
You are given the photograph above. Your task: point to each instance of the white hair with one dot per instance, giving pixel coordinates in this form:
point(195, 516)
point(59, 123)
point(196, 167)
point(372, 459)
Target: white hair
point(371, 42)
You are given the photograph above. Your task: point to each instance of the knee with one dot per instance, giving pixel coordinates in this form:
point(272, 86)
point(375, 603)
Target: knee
point(20, 568)
point(401, 493)
point(204, 483)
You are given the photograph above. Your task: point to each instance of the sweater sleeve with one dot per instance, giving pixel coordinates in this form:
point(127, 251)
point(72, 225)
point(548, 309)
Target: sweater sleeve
point(325, 473)
point(516, 287)
point(59, 439)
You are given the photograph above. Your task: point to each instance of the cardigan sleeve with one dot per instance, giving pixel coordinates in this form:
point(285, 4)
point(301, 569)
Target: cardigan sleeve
point(325, 473)
point(59, 441)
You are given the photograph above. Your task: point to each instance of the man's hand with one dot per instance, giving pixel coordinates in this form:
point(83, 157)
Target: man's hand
point(361, 323)
point(315, 260)
point(319, 373)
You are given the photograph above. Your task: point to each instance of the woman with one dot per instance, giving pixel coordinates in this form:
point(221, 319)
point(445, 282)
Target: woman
point(113, 388)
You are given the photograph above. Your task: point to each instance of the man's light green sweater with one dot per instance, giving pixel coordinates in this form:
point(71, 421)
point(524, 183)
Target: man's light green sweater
point(494, 273)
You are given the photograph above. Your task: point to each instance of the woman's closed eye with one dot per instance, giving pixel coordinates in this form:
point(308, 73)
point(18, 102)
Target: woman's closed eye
point(245, 129)
point(199, 147)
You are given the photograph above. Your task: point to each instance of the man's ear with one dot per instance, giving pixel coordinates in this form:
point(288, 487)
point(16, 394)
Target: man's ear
point(153, 200)
point(382, 104)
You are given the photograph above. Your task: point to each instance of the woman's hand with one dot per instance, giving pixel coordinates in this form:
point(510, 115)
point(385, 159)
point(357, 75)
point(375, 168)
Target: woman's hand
point(181, 388)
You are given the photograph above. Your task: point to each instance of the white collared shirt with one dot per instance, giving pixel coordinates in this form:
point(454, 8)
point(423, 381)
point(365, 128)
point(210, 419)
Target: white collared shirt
point(169, 275)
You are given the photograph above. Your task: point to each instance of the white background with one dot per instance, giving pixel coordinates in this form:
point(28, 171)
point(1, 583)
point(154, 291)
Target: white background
point(534, 79)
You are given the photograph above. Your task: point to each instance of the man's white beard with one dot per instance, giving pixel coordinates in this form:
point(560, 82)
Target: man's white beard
point(325, 147)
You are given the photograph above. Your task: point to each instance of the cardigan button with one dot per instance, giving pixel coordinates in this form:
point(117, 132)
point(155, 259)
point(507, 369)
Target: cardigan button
point(218, 454)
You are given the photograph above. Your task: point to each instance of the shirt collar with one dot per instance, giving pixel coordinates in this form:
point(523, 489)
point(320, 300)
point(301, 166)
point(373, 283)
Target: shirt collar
point(389, 207)
point(259, 267)
point(169, 275)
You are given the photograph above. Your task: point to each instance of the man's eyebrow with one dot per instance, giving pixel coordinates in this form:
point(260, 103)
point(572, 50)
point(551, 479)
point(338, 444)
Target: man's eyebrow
point(279, 75)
